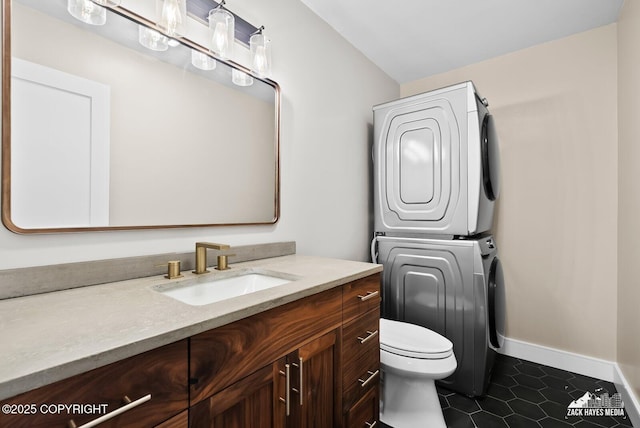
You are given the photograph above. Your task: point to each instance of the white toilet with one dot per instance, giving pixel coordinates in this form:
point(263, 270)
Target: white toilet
point(412, 358)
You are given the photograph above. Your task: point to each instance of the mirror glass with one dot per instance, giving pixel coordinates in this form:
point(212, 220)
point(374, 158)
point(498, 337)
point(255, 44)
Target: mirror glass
point(100, 132)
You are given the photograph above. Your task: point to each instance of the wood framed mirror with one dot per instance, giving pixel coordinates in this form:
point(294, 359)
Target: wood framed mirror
point(101, 133)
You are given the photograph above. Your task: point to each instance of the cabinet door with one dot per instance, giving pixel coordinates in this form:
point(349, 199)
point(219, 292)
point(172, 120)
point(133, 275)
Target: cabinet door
point(254, 401)
point(315, 365)
point(227, 354)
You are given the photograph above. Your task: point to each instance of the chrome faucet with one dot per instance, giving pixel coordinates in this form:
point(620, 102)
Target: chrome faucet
point(201, 256)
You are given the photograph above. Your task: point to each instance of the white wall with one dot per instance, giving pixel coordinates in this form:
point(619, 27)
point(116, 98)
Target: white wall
point(629, 193)
point(555, 107)
point(328, 89)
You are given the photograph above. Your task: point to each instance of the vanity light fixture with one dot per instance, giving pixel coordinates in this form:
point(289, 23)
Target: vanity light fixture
point(260, 47)
point(222, 27)
point(172, 17)
point(87, 11)
point(152, 39)
point(240, 78)
point(202, 61)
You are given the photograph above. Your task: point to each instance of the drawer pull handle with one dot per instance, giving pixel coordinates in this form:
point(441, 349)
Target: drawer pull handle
point(372, 376)
point(369, 295)
point(287, 391)
point(370, 335)
point(130, 405)
point(371, 424)
point(301, 380)
point(299, 391)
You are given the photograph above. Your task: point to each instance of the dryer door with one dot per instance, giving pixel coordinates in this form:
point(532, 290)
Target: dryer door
point(420, 165)
point(490, 158)
point(496, 304)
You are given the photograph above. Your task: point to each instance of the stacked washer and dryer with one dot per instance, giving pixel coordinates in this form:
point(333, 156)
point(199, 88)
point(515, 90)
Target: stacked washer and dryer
point(436, 180)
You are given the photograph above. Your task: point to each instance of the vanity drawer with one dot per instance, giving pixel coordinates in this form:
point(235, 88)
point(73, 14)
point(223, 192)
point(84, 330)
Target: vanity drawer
point(365, 413)
point(360, 297)
point(359, 375)
point(361, 336)
point(154, 382)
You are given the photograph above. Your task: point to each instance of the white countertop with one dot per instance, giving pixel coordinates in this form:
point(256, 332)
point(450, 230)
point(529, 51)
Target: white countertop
point(49, 337)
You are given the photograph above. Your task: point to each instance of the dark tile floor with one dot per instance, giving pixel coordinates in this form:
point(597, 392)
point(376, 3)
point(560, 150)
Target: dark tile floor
point(523, 395)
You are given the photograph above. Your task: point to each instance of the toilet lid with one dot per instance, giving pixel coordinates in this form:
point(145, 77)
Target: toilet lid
point(413, 341)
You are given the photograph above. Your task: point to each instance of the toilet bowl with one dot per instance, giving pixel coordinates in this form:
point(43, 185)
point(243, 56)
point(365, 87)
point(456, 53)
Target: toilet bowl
point(412, 358)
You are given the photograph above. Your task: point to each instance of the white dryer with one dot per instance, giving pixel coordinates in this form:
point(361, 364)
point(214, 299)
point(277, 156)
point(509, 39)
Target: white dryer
point(453, 287)
point(436, 164)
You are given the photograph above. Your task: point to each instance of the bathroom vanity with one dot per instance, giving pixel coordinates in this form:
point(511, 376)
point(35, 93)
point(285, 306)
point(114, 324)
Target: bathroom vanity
point(305, 353)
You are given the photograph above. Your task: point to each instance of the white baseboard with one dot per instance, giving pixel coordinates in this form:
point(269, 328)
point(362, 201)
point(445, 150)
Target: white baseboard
point(576, 363)
point(631, 404)
point(564, 360)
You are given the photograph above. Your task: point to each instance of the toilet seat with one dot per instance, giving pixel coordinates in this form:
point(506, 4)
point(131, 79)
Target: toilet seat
point(413, 341)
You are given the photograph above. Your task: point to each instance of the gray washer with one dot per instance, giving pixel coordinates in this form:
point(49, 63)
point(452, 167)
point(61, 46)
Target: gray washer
point(453, 287)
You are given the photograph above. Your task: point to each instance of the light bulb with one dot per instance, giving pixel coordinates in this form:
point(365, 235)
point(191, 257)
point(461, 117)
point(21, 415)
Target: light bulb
point(202, 61)
point(151, 39)
point(87, 12)
point(219, 41)
point(172, 16)
point(222, 27)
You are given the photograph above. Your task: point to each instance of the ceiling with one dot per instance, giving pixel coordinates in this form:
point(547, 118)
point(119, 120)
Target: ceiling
point(411, 39)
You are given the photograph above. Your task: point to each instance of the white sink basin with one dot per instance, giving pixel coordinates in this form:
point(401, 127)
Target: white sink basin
point(214, 288)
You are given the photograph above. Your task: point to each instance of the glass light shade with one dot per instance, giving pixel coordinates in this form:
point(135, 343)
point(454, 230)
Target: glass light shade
point(202, 61)
point(172, 16)
point(151, 39)
point(222, 27)
point(260, 55)
point(241, 78)
point(87, 11)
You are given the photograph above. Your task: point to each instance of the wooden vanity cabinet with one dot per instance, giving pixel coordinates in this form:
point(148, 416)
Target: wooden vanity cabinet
point(160, 373)
point(310, 363)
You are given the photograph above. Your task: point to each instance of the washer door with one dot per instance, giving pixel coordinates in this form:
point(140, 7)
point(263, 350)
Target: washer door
point(490, 158)
point(496, 304)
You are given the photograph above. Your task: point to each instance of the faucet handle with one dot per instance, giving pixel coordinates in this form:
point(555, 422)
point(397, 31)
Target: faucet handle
point(173, 269)
point(223, 263)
